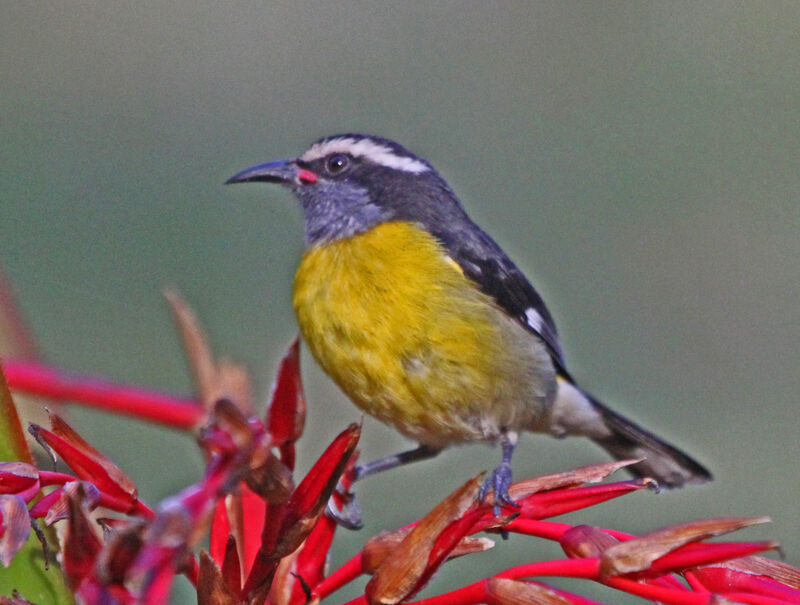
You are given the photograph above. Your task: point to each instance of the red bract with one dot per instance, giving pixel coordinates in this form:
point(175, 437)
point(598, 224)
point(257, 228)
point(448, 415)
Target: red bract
point(562, 501)
point(287, 410)
point(87, 462)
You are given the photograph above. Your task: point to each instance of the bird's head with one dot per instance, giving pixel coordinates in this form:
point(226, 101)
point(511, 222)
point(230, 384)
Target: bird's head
point(349, 183)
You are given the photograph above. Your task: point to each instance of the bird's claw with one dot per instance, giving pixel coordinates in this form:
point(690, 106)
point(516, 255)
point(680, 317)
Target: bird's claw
point(349, 515)
point(498, 482)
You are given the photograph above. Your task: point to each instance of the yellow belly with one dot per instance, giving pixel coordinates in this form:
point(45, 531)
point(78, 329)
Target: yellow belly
point(414, 343)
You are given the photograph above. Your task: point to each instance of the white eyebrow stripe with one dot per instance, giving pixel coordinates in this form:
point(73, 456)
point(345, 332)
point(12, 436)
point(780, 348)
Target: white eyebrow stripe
point(365, 148)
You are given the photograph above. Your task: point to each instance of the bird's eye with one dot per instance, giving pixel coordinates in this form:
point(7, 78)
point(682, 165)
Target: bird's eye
point(337, 163)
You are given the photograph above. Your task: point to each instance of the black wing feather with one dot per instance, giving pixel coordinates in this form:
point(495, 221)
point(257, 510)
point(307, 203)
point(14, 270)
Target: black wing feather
point(485, 263)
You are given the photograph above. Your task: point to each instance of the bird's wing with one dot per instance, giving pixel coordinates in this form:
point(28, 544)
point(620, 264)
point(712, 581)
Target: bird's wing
point(485, 263)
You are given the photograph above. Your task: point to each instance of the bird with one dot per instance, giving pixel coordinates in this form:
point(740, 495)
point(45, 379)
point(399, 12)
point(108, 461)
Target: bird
point(426, 324)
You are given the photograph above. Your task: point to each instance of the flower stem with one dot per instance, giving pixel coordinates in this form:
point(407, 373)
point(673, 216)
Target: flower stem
point(149, 405)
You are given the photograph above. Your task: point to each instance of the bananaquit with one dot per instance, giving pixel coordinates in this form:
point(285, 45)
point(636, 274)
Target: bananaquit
point(426, 324)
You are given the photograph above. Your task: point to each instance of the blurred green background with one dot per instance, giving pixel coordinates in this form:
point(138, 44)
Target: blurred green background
point(638, 160)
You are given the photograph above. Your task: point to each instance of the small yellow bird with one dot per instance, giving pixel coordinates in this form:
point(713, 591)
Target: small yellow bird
point(425, 323)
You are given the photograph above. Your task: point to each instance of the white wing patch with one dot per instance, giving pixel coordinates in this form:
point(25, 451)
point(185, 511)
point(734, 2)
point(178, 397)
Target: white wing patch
point(534, 320)
point(365, 148)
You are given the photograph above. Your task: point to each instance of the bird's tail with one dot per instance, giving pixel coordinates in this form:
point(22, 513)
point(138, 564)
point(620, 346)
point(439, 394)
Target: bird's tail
point(579, 413)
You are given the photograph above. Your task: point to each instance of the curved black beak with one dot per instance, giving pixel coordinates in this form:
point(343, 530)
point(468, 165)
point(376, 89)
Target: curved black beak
point(282, 171)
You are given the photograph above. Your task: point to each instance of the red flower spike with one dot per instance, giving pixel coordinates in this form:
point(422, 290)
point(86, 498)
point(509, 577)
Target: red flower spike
point(401, 573)
point(287, 409)
point(87, 462)
point(16, 477)
point(15, 527)
point(559, 502)
point(693, 555)
point(82, 544)
point(639, 553)
point(594, 473)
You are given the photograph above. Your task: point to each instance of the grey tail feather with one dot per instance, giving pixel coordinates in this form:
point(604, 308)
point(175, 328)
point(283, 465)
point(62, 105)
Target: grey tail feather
point(663, 462)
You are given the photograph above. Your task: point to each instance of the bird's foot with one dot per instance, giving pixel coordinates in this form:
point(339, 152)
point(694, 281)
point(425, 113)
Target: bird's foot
point(499, 482)
point(348, 515)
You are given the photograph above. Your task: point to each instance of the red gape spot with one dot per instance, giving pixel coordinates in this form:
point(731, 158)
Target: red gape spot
point(306, 176)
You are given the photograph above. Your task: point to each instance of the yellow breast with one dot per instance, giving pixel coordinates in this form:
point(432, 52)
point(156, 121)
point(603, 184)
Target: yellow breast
point(411, 340)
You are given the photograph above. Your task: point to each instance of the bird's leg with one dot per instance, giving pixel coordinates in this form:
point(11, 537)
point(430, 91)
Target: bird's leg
point(500, 479)
point(349, 516)
point(388, 462)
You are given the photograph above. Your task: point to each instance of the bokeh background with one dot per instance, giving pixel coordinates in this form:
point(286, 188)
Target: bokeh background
point(638, 160)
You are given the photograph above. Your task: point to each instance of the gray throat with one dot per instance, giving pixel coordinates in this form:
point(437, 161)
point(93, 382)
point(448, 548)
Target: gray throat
point(339, 214)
